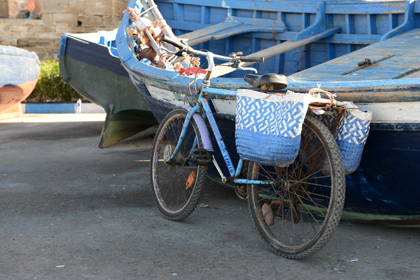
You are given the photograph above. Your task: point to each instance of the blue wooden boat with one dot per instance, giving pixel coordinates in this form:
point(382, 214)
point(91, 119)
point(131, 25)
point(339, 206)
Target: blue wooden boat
point(89, 63)
point(363, 51)
point(20, 71)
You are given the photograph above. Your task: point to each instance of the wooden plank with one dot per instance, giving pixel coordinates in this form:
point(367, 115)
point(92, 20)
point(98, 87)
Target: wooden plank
point(208, 31)
point(354, 7)
point(234, 26)
point(357, 39)
point(222, 69)
point(404, 63)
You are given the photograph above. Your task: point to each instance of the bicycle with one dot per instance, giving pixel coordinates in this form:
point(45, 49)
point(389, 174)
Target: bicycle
point(295, 208)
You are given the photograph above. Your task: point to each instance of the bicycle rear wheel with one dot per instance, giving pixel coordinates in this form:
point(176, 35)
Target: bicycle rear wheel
point(297, 214)
point(177, 184)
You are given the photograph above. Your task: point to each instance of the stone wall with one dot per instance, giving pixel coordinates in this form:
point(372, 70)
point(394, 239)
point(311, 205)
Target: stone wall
point(4, 8)
point(52, 18)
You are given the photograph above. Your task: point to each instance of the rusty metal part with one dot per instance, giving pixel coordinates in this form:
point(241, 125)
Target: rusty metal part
point(367, 62)
point(241, 192)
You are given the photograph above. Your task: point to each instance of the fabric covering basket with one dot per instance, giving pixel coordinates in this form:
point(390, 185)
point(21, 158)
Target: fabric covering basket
point(268, 127)
point(351, 135)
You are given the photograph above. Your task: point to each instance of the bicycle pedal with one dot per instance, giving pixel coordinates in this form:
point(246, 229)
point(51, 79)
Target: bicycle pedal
point(201, 156)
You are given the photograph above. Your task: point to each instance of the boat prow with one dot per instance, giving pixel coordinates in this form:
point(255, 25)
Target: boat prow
point(89, 63)
point(20, 72)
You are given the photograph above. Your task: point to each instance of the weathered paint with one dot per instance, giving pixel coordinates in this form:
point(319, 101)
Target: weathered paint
point(20, 71)
point(218, 136)
point(88, 67)
point(204, 132)
point(385, 184)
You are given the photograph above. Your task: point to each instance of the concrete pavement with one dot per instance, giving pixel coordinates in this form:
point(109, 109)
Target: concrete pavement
point(69, 210)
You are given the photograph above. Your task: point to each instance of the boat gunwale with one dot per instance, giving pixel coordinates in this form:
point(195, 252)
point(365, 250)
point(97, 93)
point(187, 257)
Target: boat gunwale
point(307, 6)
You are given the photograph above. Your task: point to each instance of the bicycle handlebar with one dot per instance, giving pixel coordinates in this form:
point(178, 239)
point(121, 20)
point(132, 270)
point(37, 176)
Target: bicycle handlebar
point(251, 59)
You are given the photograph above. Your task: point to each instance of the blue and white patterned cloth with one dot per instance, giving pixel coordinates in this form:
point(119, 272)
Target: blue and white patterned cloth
point(268, 127)
point(352, 133)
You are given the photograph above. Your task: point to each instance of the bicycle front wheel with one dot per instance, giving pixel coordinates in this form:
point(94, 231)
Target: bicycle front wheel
point(177, 184)
point(298, 212)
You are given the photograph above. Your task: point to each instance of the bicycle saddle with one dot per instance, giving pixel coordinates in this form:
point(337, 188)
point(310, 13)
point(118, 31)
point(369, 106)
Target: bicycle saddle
point(277, 81)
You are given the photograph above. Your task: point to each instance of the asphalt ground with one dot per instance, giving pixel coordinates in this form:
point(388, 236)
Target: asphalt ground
point(69, 210)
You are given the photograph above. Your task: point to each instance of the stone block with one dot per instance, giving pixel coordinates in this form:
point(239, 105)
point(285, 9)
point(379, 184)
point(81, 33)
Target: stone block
point(4, 8)
point(3, 28)
point(61, 28)
point(118, 6)
point(45, 28)
point(91, 29)
point(35, 41)
point(69, 19)
point(27, 34)
point(45, 35)
point(54, 6)
point(34, 22)
point(109, 21)
point(16, 21)
point(18, 28)
point(76, 29)
point(90, 20)
point(98, 8)
point(6, 41)
point(77, 7)
point(13, 34)
point(47, 18)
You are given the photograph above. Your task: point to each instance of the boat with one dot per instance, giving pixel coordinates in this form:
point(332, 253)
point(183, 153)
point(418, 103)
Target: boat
point(20, 72)
point(362, 51)
point(89, 63)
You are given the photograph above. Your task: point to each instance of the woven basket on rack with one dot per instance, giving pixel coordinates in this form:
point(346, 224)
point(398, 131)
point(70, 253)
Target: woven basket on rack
point(352, 134)
point(268, 127)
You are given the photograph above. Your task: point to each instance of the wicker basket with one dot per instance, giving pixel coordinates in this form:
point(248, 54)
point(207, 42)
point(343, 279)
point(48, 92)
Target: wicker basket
point(351, 132)
point(268, 127)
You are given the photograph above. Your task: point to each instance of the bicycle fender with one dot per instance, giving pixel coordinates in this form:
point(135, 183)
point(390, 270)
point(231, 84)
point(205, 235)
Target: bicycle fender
point(205, 135)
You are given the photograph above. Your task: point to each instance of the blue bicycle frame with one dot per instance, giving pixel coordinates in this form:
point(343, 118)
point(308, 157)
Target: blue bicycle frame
point(203, 103)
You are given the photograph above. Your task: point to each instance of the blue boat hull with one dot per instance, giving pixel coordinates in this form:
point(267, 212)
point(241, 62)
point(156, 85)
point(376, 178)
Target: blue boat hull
point(385, 188)
point(20, 71)
point(95, 72)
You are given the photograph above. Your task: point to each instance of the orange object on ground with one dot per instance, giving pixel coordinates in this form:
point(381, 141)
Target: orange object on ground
point(191, 180)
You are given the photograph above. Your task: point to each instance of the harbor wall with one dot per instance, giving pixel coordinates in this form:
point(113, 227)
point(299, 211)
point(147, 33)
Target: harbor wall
point(52, 18)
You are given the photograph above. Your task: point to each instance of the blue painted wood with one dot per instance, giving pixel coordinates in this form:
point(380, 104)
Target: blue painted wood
point(18, 66)
point(362, 23)
point(318, 26)
point(408, 24)
point(50, 108)
point(405, 60)
point(375, 188)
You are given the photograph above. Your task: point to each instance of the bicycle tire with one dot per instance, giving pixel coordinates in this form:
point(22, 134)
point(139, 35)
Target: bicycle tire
point(175, 198)
point(297, 214)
